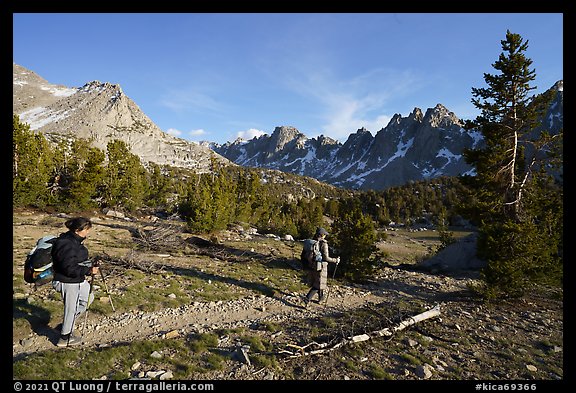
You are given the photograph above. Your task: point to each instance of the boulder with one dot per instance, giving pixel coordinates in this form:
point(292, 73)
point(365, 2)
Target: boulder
point(458, 256)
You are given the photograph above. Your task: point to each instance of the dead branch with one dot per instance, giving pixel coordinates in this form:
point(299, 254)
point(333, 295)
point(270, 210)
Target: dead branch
point(132, 261)
point(160, 237)
point(324, 347)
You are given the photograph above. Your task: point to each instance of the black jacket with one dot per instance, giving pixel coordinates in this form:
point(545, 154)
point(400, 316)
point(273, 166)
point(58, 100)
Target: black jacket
point(67, 252)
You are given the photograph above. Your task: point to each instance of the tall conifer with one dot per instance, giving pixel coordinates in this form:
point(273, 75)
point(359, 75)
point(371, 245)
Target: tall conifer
point(510, 173)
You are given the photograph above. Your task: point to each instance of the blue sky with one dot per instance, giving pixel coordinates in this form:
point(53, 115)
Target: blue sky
point(215, 77)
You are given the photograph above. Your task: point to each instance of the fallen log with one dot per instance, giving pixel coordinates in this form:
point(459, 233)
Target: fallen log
point(323, 347)
point(433, 312)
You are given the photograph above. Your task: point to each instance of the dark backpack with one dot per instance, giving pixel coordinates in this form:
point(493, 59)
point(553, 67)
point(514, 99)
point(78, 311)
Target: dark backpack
point(38, 265)
point(310, 255)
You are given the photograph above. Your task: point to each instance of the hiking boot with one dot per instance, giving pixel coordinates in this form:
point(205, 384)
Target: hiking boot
point(70, 341)
point(306, 301)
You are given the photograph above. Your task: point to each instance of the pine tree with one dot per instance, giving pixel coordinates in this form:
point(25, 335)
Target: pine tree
point(355, 237)
point(308, 217)
point(85, 172)
point(247, 190)
point(158, 187)
point(32, 166)
point(510, 173)
point(195, 205)
point(123, 186)
point(222, 198)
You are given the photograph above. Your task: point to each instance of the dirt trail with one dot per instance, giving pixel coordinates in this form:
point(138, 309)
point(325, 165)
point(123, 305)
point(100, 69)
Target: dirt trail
point(105, 330)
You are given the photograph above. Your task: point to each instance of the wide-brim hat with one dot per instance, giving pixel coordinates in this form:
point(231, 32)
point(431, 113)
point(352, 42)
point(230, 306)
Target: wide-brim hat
point(321, 231)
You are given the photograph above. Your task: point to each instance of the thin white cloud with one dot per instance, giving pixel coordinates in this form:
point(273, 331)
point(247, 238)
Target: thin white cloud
point(174, 132)
point(350, 104)
point(346, 122)
point(190, 101)
point(188, 134)
point(249, 134)
point(196, 133)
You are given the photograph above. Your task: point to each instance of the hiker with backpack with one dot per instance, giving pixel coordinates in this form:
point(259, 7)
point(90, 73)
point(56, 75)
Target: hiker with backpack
point(318, 265)
point(71, 266)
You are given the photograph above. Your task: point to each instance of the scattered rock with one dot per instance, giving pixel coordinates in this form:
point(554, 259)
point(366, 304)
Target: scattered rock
point(424, 371)
point(412, 343)
point(154, 374)
point(241, 354)
point(171, 334)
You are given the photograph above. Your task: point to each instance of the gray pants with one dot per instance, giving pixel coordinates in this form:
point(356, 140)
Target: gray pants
point(319, 279)
point(77, 298)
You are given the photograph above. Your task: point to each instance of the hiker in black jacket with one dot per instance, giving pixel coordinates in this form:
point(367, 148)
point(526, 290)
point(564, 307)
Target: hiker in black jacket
point(318, 279)
point(71, 266)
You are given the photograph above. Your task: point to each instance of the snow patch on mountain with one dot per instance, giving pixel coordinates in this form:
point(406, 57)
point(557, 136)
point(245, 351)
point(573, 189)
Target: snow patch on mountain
point(40, 117)
point(59, 92)
point(401, 150)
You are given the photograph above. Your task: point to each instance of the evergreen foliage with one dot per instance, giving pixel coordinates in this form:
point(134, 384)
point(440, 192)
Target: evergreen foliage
point(416, 200)
point(124, 179)
point(446, 237)
point(158, 190)
point(308, 217)
point(518, 201)
point(247, 191)
point(355, 237)
point(32, 167)
point(82, 176)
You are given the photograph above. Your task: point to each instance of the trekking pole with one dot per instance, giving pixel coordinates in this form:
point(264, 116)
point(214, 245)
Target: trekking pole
point(328, 294)
point(106, 288)
point(87, 305)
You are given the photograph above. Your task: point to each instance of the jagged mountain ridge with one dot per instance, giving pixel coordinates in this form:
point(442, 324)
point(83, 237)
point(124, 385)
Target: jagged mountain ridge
point(100, 112)
point(417, 147)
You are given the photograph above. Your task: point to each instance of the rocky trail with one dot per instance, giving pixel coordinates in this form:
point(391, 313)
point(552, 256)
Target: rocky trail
point(105, 330)
point(121, 327)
